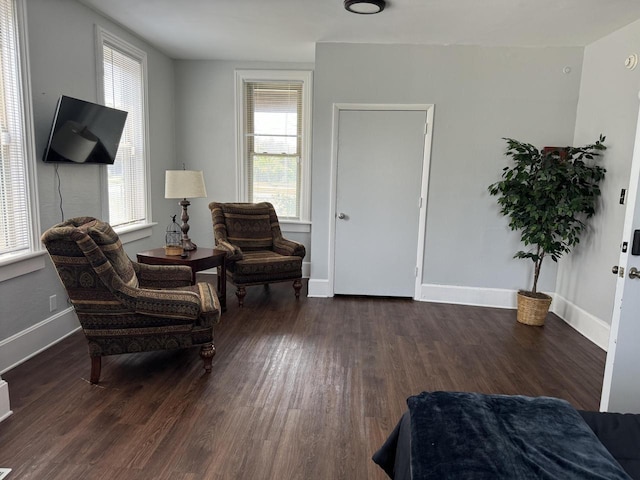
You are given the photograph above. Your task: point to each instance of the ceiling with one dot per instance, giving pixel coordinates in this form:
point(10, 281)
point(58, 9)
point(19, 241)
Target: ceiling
point(287, 30)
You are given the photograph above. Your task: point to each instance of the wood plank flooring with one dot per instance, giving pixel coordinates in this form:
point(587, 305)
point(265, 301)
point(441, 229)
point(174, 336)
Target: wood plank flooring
point(304, 389)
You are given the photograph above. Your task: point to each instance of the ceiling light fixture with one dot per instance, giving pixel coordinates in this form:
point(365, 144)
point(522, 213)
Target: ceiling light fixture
point(364, 7)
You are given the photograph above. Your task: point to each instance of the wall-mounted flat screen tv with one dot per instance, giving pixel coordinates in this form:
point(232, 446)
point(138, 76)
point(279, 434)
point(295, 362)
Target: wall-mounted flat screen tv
point(84, 132)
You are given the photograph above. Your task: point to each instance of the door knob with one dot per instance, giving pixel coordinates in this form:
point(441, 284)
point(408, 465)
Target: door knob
point(634, 273)
point(614, 270)
point(341, 216)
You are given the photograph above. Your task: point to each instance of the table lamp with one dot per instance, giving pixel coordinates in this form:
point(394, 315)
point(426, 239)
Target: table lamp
point(184, 184)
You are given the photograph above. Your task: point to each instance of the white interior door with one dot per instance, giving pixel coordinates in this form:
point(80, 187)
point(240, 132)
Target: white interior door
point(621, 387)
point(379, 177)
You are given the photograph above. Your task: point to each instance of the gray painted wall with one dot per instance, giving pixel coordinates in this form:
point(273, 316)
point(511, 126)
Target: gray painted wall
point(206, 134)
point(62, 61)
point(609, 105)
point(480, 95)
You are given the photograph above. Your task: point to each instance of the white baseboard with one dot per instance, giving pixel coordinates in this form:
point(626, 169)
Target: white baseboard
point(590, 326)
point(319, 288)
point(482, 297)
point(5, 408)
point(25, 344)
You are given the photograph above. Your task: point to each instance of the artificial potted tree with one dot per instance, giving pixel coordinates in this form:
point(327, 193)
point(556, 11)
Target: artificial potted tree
point(547, 194)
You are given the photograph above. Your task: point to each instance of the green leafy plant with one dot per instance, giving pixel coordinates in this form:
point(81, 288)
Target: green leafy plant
point(547, 195)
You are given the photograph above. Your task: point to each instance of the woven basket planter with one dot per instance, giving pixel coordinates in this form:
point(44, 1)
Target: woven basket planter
point(533, 310)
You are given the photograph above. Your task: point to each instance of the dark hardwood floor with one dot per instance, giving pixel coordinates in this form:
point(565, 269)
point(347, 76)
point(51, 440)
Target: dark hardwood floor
point(304, 389)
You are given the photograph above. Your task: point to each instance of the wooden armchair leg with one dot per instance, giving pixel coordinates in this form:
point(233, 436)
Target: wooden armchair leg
point(297, 285)
point(207, 353)
point(241, 292)
point(96, 366)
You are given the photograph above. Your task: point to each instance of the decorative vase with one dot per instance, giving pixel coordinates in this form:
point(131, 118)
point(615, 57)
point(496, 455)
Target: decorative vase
point(532, 310)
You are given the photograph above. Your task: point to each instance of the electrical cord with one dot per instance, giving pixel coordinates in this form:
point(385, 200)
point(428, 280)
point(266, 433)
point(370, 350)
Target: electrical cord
point(59, 192)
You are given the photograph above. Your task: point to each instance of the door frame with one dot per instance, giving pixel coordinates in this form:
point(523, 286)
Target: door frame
point(333, 192)
point(625, 261)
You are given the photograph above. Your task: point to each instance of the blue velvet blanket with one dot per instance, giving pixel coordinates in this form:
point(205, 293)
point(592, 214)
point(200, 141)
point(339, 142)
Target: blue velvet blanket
point(475, 436)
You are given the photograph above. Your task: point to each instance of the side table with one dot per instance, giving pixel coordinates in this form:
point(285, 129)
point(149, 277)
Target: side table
point(197, 260)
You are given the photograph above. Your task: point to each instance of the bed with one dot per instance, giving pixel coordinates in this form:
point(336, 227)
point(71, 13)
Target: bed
point(461, 435)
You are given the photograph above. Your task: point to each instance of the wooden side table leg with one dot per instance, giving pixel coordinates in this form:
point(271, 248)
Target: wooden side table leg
point(96, 366)
point(222, 285)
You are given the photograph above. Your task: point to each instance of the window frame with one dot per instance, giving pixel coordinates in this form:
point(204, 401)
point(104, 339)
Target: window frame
point(306, 77)
point(142, 229)
point(31, 259)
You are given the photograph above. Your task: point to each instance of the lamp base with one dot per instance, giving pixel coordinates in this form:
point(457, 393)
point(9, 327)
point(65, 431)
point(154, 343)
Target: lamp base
point(188, 245)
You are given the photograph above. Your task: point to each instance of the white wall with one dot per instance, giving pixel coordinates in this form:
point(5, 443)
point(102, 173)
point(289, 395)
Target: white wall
point(206, 134)
point(608, 105)
point(62, 61)
point(480, 95)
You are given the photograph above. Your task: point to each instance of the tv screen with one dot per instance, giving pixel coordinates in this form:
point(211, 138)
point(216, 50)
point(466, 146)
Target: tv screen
point(84, 132)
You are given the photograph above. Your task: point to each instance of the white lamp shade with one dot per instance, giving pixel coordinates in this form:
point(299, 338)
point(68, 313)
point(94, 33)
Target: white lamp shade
point(184, 184)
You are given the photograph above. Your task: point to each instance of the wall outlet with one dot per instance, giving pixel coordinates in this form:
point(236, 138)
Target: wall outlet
point(53, 303)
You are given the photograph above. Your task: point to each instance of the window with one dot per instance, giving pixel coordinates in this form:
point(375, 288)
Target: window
point(274, 112)
point(18, 203)
point(123, 86)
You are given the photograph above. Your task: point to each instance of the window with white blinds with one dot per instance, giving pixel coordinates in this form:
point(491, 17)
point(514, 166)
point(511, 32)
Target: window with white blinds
point(16, 208)
point(275, 123)
point(124, 68)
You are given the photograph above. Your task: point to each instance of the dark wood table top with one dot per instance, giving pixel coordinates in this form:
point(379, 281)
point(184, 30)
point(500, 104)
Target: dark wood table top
point(194, 256)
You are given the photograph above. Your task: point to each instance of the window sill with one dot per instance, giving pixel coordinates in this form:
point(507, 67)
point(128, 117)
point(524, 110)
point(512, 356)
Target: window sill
point(135, 232)
point(295, 226)
point(21, 265)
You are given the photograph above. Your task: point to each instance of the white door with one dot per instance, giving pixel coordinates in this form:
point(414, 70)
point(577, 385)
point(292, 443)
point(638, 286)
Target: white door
point(378, 185)
point(621, 387)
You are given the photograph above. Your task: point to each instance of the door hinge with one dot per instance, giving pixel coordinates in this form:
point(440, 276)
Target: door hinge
point(416, 272)
point(420, 202)
point(426, 127)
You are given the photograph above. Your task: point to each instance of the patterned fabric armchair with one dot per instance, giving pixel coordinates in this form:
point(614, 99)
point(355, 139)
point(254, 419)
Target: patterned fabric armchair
point(256, 251)
point(124, 306)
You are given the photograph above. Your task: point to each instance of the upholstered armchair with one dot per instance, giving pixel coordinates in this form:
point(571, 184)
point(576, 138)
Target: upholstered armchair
point(124, 306)
point(256, 251)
